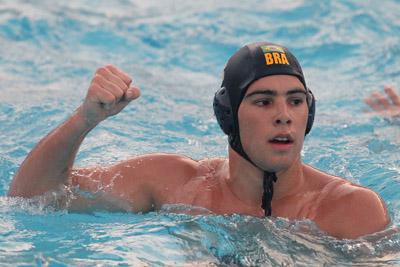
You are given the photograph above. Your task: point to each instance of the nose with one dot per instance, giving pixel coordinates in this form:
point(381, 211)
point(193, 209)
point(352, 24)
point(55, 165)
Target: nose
point(282, 114)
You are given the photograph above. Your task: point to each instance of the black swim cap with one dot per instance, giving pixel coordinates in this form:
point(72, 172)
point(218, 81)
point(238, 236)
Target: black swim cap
point(248, 64)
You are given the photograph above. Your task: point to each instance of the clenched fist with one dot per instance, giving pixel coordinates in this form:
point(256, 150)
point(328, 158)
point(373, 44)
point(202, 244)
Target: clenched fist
point(108, 94)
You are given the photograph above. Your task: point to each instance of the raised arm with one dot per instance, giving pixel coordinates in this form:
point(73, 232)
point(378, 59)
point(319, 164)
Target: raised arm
point(49, 164)
point(387, 105)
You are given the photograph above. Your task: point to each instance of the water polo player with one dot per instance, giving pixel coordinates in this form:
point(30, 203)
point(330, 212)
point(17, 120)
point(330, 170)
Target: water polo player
point(265, 108)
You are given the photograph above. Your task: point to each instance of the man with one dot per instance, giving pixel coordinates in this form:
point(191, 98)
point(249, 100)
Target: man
point(265, 108)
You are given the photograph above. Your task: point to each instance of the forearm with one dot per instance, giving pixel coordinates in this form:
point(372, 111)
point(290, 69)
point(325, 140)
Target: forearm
point(49, 164)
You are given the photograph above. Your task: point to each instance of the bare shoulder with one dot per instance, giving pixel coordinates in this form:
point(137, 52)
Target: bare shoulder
point(166, 176)
point(154, 168)
point(162, 158)
point(347, 210)
point(160, 166)
point(143, 166)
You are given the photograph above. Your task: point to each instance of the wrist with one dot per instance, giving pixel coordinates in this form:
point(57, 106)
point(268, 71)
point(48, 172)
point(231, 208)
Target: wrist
point(83, 121)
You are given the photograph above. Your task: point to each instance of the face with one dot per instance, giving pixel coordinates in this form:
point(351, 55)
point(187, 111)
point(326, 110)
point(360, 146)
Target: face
point(272, 121)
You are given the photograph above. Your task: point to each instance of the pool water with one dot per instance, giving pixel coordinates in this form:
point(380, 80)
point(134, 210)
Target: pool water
point(176, 50)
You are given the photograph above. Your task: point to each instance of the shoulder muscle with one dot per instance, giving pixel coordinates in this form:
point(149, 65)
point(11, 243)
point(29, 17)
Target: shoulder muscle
point(352, 211)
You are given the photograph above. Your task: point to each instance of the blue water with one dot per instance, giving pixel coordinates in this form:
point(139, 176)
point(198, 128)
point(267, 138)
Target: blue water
point(176, 51)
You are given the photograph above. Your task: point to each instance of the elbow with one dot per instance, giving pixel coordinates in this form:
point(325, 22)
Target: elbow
point(16, 191)
point(19, 187)
point(13, 190)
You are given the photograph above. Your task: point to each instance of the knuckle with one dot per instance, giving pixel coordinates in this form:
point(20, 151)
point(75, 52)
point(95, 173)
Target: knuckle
point(98, 80)
point(110, 66)
point(100, 70)
point(94, 87)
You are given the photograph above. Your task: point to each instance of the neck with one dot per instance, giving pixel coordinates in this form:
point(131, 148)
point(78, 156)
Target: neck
point(246, 180)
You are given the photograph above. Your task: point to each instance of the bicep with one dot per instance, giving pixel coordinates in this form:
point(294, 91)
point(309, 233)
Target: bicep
point(115, 187)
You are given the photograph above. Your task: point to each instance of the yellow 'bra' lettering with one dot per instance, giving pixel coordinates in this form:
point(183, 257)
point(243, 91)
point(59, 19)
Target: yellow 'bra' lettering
point(276, 58)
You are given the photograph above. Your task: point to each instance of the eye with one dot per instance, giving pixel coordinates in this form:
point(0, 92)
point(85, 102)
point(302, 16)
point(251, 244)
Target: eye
point(296, 101)
point(263, 102)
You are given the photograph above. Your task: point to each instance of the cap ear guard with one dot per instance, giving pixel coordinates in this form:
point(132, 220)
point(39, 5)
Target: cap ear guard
point(311, 110)
point(223, 110)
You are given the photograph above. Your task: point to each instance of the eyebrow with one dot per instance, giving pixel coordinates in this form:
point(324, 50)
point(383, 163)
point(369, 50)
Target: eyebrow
point(270, 92)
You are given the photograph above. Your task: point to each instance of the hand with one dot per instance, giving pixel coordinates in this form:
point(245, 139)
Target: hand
point(108, 93)
point(385, 105)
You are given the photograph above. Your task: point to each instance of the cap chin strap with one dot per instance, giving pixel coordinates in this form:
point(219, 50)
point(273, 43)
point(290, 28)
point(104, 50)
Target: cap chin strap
point(268, 192)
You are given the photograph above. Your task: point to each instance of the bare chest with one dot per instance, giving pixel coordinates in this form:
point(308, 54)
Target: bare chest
point(210, 191)
point(202, 191)
point(304, 206)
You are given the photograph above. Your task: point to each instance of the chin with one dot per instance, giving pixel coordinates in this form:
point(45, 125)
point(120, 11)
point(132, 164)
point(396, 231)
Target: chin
point(279, 167)
point(277, 164)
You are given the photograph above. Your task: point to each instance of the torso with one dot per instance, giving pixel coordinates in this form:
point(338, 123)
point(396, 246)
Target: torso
point(148, 182)
point(208, 189)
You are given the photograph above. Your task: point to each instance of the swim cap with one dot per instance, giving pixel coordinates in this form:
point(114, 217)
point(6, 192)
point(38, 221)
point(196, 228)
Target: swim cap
point(248, 64)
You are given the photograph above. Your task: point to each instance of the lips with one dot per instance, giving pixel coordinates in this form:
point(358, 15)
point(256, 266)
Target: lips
point(283, 139)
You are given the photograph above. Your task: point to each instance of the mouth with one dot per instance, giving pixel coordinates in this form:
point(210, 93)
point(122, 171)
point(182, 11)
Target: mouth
point(282, 139)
